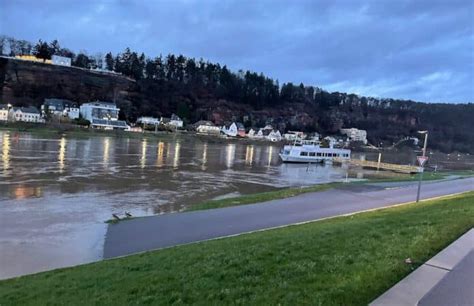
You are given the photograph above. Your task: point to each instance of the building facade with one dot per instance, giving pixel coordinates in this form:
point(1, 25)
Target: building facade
point(60, 107)
point(355, 134)
point(4, 112)
point(60, 60)
point(207, 127)
point(25, 114)
point(102, 115)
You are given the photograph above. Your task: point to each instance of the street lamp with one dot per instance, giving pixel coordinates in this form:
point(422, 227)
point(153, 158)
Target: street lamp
point(422, 161)
point(425, 142)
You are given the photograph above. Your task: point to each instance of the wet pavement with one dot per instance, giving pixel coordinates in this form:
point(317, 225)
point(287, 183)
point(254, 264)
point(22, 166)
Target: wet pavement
point(143, 234)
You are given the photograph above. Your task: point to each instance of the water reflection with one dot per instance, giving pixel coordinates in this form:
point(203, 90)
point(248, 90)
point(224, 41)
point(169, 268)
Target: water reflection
point(160, 155)
point(143, 156)
point(204, 157)
point(6, 152)
point(177, 148)
point(105, 158)
point(62, 154)
point(23, 192)
point(249, 155)
point(230, 155)
point(270, 156)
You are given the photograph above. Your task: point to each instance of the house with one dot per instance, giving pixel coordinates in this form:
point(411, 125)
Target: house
point(355, 134)
point(60, 107)
point(206, 127)
point(25, 114)
point(251, 133)
point(274, 136)
point(102, 115)
point(240, 130)
point(231, 130)
point(176, 121)
point(148, 120)
point(4, 109)
point(234, 130)
point(33, 58)
point(173, 122)
point(294, 135)
point(60, 60)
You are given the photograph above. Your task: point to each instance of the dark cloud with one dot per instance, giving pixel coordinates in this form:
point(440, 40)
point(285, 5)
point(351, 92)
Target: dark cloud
point(420, 50)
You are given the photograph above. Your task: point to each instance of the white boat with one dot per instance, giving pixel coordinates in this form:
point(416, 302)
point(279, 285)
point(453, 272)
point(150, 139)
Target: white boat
point(310, 151)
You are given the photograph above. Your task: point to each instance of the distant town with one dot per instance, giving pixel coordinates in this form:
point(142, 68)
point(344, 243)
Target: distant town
point(105, 115)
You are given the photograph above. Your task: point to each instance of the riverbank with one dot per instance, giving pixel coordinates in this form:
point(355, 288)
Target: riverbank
point(342, 261)
point(291, 192)
point(74, 131)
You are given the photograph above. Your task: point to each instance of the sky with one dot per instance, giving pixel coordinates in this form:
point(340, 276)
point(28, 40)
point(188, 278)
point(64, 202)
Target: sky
point(421, 50)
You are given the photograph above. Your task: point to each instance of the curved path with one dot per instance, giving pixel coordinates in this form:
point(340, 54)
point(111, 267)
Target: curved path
point(149, 233)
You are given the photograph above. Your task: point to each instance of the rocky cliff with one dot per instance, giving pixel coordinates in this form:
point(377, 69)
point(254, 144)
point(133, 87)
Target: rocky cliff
point(386, 120)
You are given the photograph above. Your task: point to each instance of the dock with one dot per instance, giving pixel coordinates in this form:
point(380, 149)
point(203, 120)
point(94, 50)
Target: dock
point(379, 165)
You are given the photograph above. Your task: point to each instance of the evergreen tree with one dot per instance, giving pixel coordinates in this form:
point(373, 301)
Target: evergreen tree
point(109, 61)
point(82, 61)
point(42, 50)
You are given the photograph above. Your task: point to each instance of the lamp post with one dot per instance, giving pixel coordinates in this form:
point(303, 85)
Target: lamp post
point(422, 164)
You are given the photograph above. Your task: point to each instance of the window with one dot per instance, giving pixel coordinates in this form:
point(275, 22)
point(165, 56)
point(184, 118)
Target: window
point(304, 154)
point(319, 154)
point(312, 154)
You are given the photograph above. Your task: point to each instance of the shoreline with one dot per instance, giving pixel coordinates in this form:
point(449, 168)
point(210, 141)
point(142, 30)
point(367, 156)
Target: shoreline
point(339, 249)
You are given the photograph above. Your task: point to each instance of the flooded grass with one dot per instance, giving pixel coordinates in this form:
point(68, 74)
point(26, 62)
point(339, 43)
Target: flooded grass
point(342, 261)
point(261, 197)
point(427, 176)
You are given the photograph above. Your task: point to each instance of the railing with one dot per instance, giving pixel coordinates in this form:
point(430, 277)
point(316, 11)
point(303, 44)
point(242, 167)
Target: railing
point(377, 165)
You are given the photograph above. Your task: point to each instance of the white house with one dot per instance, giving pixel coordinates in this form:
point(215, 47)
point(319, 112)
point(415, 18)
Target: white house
point(60, 107)
point(25, 114)
point(4, 108)
point(234, 130)
point(251, 133)
point(102, 115)
point(355, 134)
point(176, 121)
point(148, 120)
point(61, 60)
point(173, 122)
point(274, 136)
point(294, 135)
point(207, 127)
point(231, 130)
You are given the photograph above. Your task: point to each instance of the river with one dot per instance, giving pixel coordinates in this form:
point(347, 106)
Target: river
point(56, 193)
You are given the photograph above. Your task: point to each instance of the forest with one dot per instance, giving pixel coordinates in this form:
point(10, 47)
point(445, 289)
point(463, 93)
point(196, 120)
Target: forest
point(178, 84)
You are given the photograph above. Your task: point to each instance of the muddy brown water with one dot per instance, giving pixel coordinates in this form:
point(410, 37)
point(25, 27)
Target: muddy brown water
point(56, 193)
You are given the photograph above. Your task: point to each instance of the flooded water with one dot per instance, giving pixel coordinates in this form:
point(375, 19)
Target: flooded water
point(55, 194)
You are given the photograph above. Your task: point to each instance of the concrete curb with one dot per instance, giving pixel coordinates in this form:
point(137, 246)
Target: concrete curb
point(411, 289)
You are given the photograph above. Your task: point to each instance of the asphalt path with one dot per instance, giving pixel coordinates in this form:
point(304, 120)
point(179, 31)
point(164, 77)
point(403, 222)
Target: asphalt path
point(155, 232)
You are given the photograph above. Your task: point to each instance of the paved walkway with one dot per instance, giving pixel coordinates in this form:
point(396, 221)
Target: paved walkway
point(445, 279)
point(149, 233)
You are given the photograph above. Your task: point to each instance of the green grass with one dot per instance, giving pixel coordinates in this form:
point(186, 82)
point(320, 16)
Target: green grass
point(77, 132)
point(341, 261)
point(260, 197)
point(427, 176)
point(291, 192)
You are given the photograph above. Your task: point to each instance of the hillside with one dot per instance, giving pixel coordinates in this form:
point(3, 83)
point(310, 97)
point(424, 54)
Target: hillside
point(307, 108)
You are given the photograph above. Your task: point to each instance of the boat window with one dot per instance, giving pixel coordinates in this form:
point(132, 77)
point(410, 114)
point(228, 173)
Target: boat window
point(319, 154)
point(304, 153)
point(312, 154)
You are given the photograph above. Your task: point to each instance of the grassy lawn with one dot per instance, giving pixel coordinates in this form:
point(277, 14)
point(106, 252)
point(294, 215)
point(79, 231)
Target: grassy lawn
point(77, 132)
point(261, 197)
point(341, 261)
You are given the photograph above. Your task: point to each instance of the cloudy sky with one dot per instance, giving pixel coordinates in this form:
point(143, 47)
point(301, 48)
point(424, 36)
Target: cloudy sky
point(411, 49)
